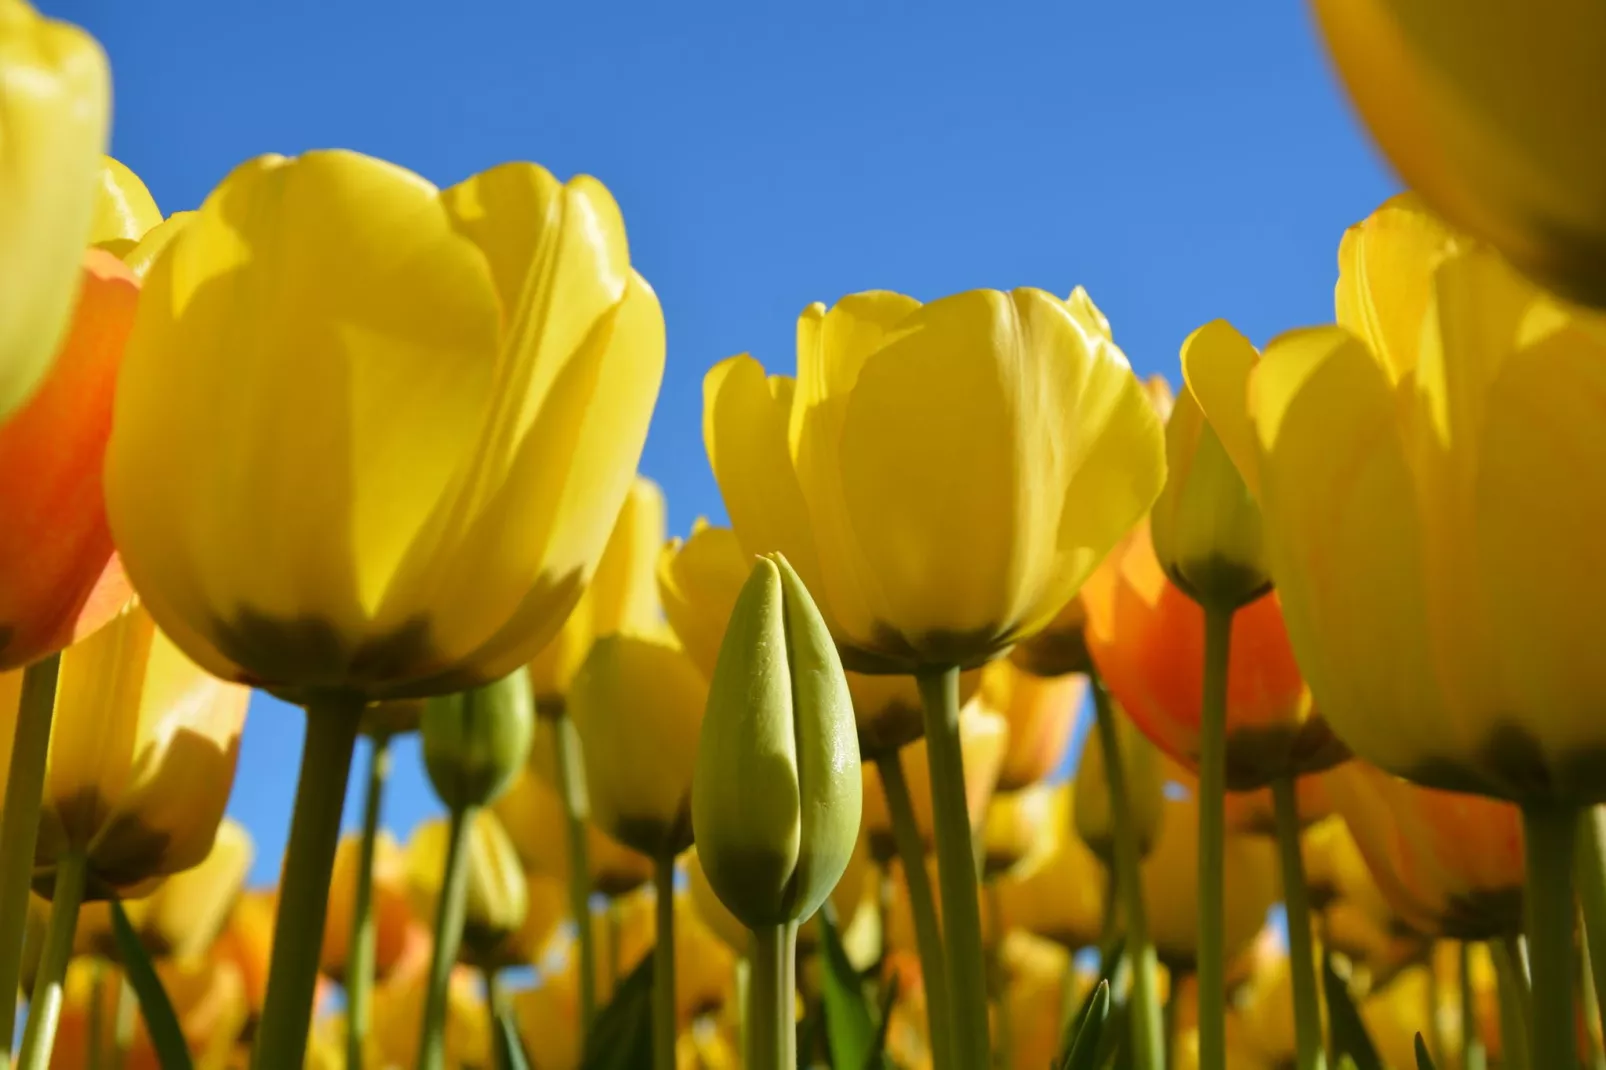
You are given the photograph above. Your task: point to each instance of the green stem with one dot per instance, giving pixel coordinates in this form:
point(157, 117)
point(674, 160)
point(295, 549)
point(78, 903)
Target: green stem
point(95, 1042)
point(772, 999)
point(1147, 1024)
point(19, 831)
point(1549, 832)
point(1515, 1028)
point(577, 815)
point(304, 887)
point(1590, 867)
point(44, 1008)
point(928, 933)
point(1212, 968)
point(663, 965)
point(998, 985)
point(616, 932)
point(1591, 1000)
point(1473, 1057)
point(1309, 1054)
point(956, 870)
point(364, 932)
point(495, 1007)
point(449, 911)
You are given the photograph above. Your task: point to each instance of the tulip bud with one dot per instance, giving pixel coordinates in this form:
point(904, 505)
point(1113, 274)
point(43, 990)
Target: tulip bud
point(1206, 524)
point(1145, 773)
point(497, 899)
point(476, 740)
point(776, 801)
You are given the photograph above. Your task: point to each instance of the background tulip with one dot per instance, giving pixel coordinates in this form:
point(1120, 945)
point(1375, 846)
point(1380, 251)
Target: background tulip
point(497, 899)
point(1040, 713)
point(208, 998)
point(1066, 897)
point(476, 741)
point(391, 910)
point(1021, 830)
point(532, 814)
point(1145, 776)
point(984, 735)
point(53, 127)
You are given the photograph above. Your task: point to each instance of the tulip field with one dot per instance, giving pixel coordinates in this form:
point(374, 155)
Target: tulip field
point(788, 793)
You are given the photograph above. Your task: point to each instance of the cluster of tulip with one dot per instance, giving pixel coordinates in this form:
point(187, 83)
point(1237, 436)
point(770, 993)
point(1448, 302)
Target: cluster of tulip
point(781, 794)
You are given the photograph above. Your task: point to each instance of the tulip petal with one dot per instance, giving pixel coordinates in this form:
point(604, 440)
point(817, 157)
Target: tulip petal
point(124, 209)
point(1216, 365)
point(624, 591)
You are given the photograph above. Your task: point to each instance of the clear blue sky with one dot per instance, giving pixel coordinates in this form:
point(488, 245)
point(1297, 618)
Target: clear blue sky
point(1182, 161)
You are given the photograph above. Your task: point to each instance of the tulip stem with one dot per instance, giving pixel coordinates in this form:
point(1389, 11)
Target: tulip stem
point(19, 830)
point(1550, 832)
point(304, 887)
point(576, 816)
point(772, 999)
point(1513, 990)
point(1473, 1057)
point(956, 869)
point(663, 964)
point(449, 913)
point(928, 933)
point(1147, 1020)
point(1590, 866)
point(364, 933)
point(1590, 995)
point(44, 1008)
point(1309, 1053)
point(1212, 968)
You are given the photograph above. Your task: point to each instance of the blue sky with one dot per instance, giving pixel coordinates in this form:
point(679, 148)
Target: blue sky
point(1182, 161)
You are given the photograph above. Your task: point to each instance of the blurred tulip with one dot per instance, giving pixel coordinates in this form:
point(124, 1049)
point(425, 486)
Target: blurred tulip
point(1145, 770)
point(933, 404)
point(1064, 899)
point(548, 1018)
point(186, 912)
point(532, 814)
point(124, 209)
point(983, 737)
point(399, 1004)
point(53, 124)
point(1506, 149)
point(623, 595)
point(476, 741)
point(1254, 812)
point(1449, 864)
point(1022, 830)
point(208, 997)
point(637, 703)
point(497, 899)
point(1041, 711)
point(1033, 998)
point(390, 903)
point(247, 943)
point(1357, 922)
point(465, 545)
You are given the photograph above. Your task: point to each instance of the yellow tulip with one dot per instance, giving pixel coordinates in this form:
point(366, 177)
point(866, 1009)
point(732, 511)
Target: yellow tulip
point(942, 476)
point(637, 704)
point(497, 901)
point(142, 756)
point(399, 1006)
point(187, 911)
point(389, 902)
point(208, 997)
point(1040, 711)
point(983, 736)
point(124, 212)
point(1254, 812)
point(622, 597)
point(1357, 921)
point(1146, 771)
point(449, 391)
point(548, 1018)
point(1490, 112)
point(1432, 550)
point(1064, 899)
point(532, 814)
point(1022, 830)
point(55, 94)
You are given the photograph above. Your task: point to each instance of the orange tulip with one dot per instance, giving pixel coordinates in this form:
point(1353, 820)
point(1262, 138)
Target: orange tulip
point(1252, 812)
point(58, 577)
point(246, 942)
point(1147, 639)
point(1041, 712)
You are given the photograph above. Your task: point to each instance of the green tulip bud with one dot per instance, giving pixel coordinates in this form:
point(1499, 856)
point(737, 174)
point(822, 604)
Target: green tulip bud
point(1206, 525)
point(476, 740)
point(775, 803)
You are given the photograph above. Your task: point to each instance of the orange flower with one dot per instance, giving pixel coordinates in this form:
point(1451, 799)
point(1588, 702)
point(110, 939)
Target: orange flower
point(58, 577)
point(392, 912)
point(1147, 639)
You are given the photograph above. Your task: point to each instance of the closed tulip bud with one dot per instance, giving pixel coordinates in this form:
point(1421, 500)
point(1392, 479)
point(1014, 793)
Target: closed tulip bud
point(1145, 769)
point(1064, 899)
point(389, 902)
point(1020, 831)
point(124, 210)
point(57, 94)
point(1206, 526)
point(476, 741)
point(776, 801)
point(497, 899)
point(532, 814)
point(637, 703)
point(1040, 712)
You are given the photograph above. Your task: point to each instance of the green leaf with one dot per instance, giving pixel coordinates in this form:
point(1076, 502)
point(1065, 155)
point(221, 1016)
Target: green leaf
point(621, 1035)
point(1081, 1048)
point(509, 1049)
point(1424, 1061)
point(850, 1023)
point(1348, 1031)
point(172, 1053)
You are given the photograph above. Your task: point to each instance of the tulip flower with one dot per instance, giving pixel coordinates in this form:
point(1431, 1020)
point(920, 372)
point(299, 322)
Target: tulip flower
point(532, 814)
point(1064, 899)
point(391, 511)
point(1505, 149)
point(1144, 770)
point(1357, 921)
point(1021, 830)
point(53, 125)
point(943, 477)
point(497, 899)
point(1254, 812)
point(1429, 574)
point(124, 209)
point(548, 1016)
point(391, 910)
point(399, 1003)
point(247, 942)
point(1040, 712)
point(207, 996)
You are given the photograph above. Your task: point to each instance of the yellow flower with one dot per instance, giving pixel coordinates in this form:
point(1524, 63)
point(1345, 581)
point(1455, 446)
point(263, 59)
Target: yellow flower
point(186, 912)
point(1432, 542)
point(1022, 830)
point(124, 211)
point(942, 476)
point(1041, 712)
point(207, 996)
point(142, 756)
point(1491, 112)
point(1064, 899)
point(637, 704)
point(399, 1007)
point(983, 735)
point(623, 595)
point(532, 814)
point(55, 94)
point(497, 901)
point(1357, 921)
point(393, 425)
point(1146, 771)
point(389, 902)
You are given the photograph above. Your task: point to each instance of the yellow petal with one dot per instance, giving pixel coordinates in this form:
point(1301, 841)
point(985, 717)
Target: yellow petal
point(625, 589)
point(1216, 364)
point(699, 580)
point(54, 99)
point(124, 209)
point(143, 253)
